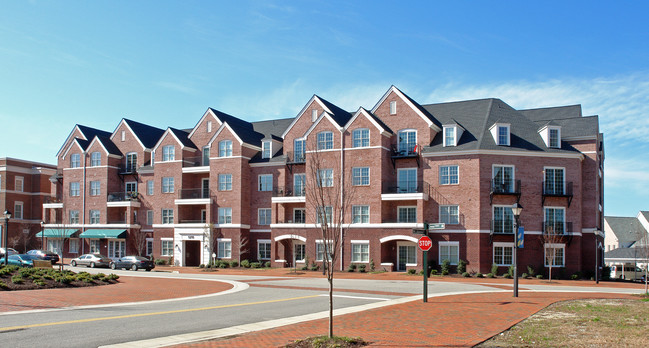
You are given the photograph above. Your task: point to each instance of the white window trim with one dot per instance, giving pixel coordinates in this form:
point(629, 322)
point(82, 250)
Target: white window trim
point(224, 141)
point(393, 107)
point(439, 252)
point(264, 241)
point(303, 215)
point(404, 207)
point(409, 169)
point(320, 241)
point(407, 130)
point(369, 170)
point(259, 177)
point(501, 245)
point(369, 214)
point(364, 242)
point(439, 173)
point(493, 213)
point(545, 217)
point(494, 133)
point(360, 130)
point(410, 244)
point(224, 240)
point(267, 146)
point(162, 249)
point(259, 210)
point(564, 176)
point(449, 205)
point(444, 137)
point(22, 210)
point(171, 154)
point(555, 246)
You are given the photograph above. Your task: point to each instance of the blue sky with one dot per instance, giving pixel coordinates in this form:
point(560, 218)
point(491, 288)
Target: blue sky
point(164, 63)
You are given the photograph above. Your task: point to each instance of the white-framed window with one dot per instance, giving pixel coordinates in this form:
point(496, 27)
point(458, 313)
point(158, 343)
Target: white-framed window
point(123, 136)
point(449, 214)
point(224, 248)
point(74, 217)
point(73, 245)
point(225, 215)
point(299, 215)
point(95, 217)
point(393, 107)
point(503, 135)
point(554, 181)
point(209, 126)
point(19, 184)
point(18, 210)
point(149, 188)
point(266, 149)
point(264, 216)
point(320, 250)
point(94, 246)
point(449, 175)
point(449, 136)
point(225, 148)
point(326, 177)
point(168, 184)
point(265, 182)
point(149, 217)
point(325, 214)
point(503, 178)
point(95, 159)
point(325, 140)
point(95, 188)
point(298, 150)
point(406, 255)
point(263, 249)
point(407, 214)
point(149, 247)
point(361, 176)
point(130, 188)
point(554, 137)
point(314, 115)
point(407, 140)
point(361, 251)
point(166, 247)
point(361, 137)
point(75, 160)
point(361, 214)
point(167, 216)
point(449, 251)
point(554, 221)
point(407, 180)
point(168, 153)
point(503, 254)
point(559, 259)
point(299, 249)
point(206, 156)
point(55, 245)
point(298, 185)
point(225, 182)
point(75, 189)
point(131, 162)
point(503, 219)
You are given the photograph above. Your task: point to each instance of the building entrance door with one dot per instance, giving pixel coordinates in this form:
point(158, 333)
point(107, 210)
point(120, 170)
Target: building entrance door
point(192, 253)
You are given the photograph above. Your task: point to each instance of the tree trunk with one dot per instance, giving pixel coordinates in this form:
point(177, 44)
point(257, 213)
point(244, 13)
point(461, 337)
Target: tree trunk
point(331, 307)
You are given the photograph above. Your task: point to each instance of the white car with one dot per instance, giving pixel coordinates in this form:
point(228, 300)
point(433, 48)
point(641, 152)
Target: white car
point(91, 260)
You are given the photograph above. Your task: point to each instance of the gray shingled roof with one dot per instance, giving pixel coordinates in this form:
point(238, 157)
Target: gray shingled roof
point(339, 115)
point(626, 229)
point(243, 129)
point(183, 136)
point(624, 254)
point(272, 129)
point(553, 113)
point(148, 135)
point(109, 145)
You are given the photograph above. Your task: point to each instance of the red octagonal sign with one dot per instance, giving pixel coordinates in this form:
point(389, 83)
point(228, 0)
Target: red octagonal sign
point(425, 243)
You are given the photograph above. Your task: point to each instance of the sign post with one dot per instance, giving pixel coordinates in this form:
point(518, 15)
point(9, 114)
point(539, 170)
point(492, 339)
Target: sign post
point(425, 243)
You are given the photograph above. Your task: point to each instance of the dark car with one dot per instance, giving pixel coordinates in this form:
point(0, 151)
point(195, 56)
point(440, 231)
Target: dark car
point(21, 260)
point(45, 255)
point(91, 260)
point(133, 262)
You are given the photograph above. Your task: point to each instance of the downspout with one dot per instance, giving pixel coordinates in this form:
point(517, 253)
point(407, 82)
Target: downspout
point(342, 200)
point(83, 200)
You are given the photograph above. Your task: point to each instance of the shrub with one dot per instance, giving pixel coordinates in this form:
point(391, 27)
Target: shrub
point(39, 282)
point(446, 266)
point(575, 276)
point(65, 279)
point(160, 262)
point(267, 264)
point(224, 264)
point(304, 268)
point(3, 285)
point(606, 273)
point(372, 267)
point(490, 275)
point(433, 272)
point(531, 271)
point(314, 266)
point(361, 268)
point(507, 275)
point(412, 271)
point(466, 275)
point(255, 265)
point(17, 279)
point(245, 264)
point(461, 267)
point(524, 275)
point(510, 271)
point(539, 276)
point(351, 268)
point(479, 275)
point(113, 276)
point(202, 265)
point(234, 263)
point(494, 268)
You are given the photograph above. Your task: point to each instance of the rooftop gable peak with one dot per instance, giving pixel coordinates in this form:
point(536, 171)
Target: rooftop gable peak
point(419, 110)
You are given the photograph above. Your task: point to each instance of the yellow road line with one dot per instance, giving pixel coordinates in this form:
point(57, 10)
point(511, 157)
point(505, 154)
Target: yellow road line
point(9, 328)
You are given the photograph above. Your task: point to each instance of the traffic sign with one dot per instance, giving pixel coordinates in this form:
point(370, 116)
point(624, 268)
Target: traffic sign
point(437, 226)
point(425, 243)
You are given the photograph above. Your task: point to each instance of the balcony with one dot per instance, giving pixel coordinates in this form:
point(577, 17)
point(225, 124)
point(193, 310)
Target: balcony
point(123, 199)
point(556, 189)
point(510, 188)
point(499, 226)
point(293, 158)
point(397, 154)
point(124, 169)
point(557, 232)
point(193, 197)
point(196, 164)
point(393, 191)
point(288, 195)
point(52, 202)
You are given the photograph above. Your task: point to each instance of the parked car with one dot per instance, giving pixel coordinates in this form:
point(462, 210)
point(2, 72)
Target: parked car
point(133, 263)
point(21, 260)
point(45, 255)
point(11, 252)
point(91, 260)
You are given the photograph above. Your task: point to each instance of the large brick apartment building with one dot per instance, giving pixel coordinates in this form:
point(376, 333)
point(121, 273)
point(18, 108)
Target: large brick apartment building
point(460, 163)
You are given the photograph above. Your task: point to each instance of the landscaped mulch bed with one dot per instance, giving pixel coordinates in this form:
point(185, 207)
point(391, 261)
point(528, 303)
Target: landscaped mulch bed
point(14, 278)
point(327, 342)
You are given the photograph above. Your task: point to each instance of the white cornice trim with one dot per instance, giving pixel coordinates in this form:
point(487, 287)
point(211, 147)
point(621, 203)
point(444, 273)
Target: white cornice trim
point(503, 153)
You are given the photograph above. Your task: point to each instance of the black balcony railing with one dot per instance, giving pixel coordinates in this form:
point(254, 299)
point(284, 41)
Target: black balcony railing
point(193, 193)
point(512, 187)
point(123, 196)
point(557, 227)
point(289, 192)
point(405, 187)
point(295, 158)
point(556, 189)
point(124, 169)
point(188, 221)
point(502, 226)
point(196, 161)
point(50, 199)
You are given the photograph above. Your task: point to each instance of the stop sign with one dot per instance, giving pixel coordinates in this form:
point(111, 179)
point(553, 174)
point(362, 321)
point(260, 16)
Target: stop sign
point(425, 243)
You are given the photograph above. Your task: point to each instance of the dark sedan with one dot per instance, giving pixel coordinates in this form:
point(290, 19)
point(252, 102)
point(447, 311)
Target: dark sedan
point(21, 260)
point(45, 255)
point(133, 263)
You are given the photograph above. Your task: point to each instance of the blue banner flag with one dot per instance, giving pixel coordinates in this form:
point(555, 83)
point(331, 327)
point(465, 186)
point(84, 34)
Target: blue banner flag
point(521, 235)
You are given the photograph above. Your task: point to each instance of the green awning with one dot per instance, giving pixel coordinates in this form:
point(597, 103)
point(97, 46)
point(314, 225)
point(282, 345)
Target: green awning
point(57, 233)
point(103, 234)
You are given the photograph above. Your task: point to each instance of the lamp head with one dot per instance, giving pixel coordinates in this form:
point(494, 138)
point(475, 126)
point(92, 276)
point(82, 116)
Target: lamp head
point(516, 209)
point(7, 214)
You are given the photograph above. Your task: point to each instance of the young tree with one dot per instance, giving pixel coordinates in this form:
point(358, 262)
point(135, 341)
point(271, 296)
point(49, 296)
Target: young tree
point(139, 241)
point(242, 246)
point(549, 239)
point(209, 240)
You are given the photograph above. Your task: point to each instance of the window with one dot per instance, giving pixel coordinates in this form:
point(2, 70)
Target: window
point(503, 254)
point(167, 248)
point(74, 217)
point(94, 246)
point(123, 137)
point(360, 251)
point(554, 137)
point(95, 216)
point(75, 160)
point(263, 249)
point(300, 251)
point(131, 162)
point(55, 245)
point(407, 255)
point(264, 216)
point(393, 108)
point(407, 141)
point(324, 214)
point(225, 148)
point(555, 254)
point(225, 215)
point(361, 214)
point(206, 156)
point(325, 140)
point(265, 182)
point(449, 214)
point(116, 248)
point(448, 175)
point(19, 184)
point(168, 153)
point(449, 251)
point(298, 185)
point(95, 188)
point(320, 250)
point(149, 247)
point(95, 159)
point(298, 150)
point(149, 217)
point(326, 177)
point(361, 137)
point(361, 176)
point(167, 216)
point(209, 126)
point(503, 221)
point(225, 182)
point(73, 245)
point(449, 136)
point(503, 135)
point(503, 179)
point(149, 187)
point(75, 189)
point(554, 222)
point(299, 215)
point(130, 188)
point(314, 115)
point(18, 210)
point(266, 149)
point(406, 214)
point(407, 180)
point(168, 184)
point(224, 248)
point(554, 181)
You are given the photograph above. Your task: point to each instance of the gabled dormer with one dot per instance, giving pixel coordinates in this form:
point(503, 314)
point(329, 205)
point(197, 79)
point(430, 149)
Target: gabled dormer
point(501, 132)
point(551, 135)
point(166, 151)
point(100, 149)
point(452, 133)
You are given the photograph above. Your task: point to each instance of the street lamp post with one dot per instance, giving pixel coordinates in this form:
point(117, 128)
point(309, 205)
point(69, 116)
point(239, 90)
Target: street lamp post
point(42, 235)
point(5, 235)
point(516, 210)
